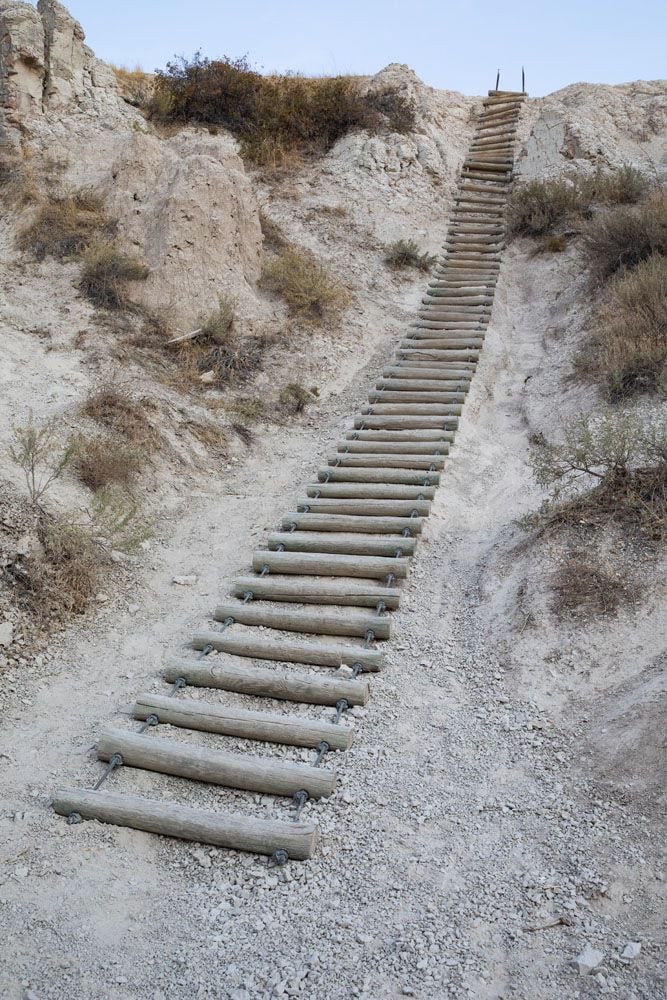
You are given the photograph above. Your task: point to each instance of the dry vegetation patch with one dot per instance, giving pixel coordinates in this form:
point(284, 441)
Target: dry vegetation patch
point(626, 235)
point(279, 119)
point(106, 273)
point(305, 285)
point(612, 469)
point(627, 351)
point(116, 410)
point(64, 227)
point(104, 462)
point(586, 586)
point(406, 253)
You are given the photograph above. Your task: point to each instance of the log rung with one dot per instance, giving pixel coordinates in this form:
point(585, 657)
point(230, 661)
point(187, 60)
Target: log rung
point(336, 621)
point(318, 654)
point(365, 508)
point(239, 833)
point(263, 682)
point(183, 760)
point(329, 564)
point(351, 543)
point(291, 730)
point(349, 522)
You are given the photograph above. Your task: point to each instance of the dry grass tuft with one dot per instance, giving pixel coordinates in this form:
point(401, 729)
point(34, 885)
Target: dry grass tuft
point(406, 253)
point(294, 397)
point(217, 326)
point(245, 410)
point(274, 238)
point(103, 462)
point(135, 85)
point(59, 581)
point(627, 351)
point(64, 227)
point(624, 236)
point(305, 285)
point(106, 273)
point(555, 244)
point(279, 119)
point(115, 410)
point(582, 586)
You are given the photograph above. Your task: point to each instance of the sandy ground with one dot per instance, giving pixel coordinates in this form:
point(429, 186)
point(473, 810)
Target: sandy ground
point(472, 849)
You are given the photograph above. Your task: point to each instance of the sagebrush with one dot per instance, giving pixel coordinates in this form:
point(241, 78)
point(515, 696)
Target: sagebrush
point(307, 287)
point(406, 253)
point(275, 117)
point(622, 237)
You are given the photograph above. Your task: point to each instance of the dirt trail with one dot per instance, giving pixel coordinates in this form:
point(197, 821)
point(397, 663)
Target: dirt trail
point(463, 822)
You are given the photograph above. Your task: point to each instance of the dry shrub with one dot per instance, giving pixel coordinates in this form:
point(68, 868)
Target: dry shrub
point(305, 285)
point(583, 586)
point(294, 397)
point(627, 351)
point(60, 580)
point(274, 238)
point(18, 180)
point(231, 362)
point(65, 227)
point(406, 253)
point(245, 410)
point(622, 237)
point(37, 450)
point(106, 273)
point(612, 469)
point(278, 119)
point(537, 207)
point(210, 435)
point(115, 410)
point(555, 244)
point(217, 325)
point(103, 462)
point(134, 85)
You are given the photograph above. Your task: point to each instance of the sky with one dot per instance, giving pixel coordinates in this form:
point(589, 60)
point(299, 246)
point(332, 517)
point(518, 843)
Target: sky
point(453, 45)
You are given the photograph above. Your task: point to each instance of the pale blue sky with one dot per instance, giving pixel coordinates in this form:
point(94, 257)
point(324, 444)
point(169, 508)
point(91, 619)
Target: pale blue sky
point(455, 45)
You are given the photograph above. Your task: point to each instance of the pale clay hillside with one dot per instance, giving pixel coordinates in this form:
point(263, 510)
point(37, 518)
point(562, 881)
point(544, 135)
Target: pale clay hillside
point(498, 813)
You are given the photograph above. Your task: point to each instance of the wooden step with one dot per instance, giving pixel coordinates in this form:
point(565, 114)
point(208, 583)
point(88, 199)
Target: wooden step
point(414, 409)
point(364, 508)
point(371, 475)
point(385, 525)
point(351, 543)
point(310, 590)
point(311, 564)
point(375, 491)
point(436, 385)
point(321, 654)
point(221, 829)
point(395, 448)
point(324, 621)
point(451, 379)
point(292, 730)
point(264, 682)
point(253, 774)
point(408, 396)
point(396, 423)
point(405, 460)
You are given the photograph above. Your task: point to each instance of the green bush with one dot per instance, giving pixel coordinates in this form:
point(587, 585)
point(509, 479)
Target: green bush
point(275, 117)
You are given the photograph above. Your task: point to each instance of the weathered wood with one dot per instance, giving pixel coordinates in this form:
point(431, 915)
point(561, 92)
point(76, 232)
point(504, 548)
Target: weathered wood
point(431, 341)
point(408, 396)
point(254, 774)
point(371, 475)
point(292, 730)
point(373, 491)
point(406, 460)
point(344, 543)
point(451, 379)
point(312, 564)
point(424, 385)
point(349, 522)
point(364, 508)
point(395, 448)
point(321, 654)
point(238, 833)
point(396, 423)
point(426, 434)
point(318, 621)
point(414, 409)
point(421, 353)
point(262, 682)
point(314, 591)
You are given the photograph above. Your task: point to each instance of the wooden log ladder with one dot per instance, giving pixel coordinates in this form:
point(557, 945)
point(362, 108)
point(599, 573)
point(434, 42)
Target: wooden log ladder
point(335, 567)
